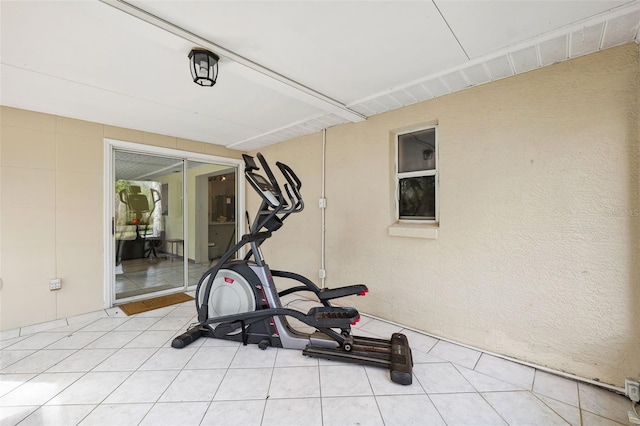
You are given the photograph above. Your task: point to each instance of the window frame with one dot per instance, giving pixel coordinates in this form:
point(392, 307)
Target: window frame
point(420, 173)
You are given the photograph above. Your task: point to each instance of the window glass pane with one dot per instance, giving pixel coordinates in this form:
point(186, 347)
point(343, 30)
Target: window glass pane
point(418, 198)
point(417, 151)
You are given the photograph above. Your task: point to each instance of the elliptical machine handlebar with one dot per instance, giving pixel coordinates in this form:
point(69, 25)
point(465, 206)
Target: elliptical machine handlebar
point(295, 184)
point(289, 174)
point(292, 199)
point(276, 204)
point(272, 179)
point(280, 202)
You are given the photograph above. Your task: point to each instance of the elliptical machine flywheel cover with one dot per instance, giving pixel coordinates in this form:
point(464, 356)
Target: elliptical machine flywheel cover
point(230, 294)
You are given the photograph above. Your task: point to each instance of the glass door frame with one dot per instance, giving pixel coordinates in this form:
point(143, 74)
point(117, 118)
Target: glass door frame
point(110, 146)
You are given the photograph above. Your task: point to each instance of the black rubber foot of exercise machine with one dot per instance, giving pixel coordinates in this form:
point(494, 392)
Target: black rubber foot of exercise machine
point(394, 354)
point(187, 338)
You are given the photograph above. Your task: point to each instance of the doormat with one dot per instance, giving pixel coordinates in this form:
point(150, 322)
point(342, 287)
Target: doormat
point(155, 303)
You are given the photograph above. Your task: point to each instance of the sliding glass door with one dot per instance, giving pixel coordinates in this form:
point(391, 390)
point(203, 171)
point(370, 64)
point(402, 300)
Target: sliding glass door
point(212, 214)
point(149, 224)
point(171, 218)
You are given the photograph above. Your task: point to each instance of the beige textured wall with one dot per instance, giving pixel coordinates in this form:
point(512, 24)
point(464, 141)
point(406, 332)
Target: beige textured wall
point(537, 255)
point(51, 212)
point(538, 248)
point(296, 246)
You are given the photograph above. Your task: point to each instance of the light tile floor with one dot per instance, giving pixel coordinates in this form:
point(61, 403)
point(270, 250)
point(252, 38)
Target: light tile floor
point(109, 369)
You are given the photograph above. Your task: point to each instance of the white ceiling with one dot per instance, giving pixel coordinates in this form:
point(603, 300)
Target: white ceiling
point(287, 68)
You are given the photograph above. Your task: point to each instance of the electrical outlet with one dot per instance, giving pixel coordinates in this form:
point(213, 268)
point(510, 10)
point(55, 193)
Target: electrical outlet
point(632, 389)
point(55, 284)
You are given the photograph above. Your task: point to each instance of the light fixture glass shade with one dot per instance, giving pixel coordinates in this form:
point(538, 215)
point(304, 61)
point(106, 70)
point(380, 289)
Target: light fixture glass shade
point(204, 67)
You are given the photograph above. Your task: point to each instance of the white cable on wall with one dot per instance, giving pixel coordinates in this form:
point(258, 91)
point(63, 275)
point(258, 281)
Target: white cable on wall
point(323, 207)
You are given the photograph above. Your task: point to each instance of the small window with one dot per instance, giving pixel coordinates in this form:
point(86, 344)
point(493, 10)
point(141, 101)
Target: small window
point(417, 175)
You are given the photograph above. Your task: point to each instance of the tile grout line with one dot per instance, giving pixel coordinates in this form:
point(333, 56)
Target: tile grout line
point(85, 373)
point(508, 358)
point(272, 376)
point(157, 319)
point(320, 392)
point(493, 408)
point(551, 408)
point(130, 373)
point(373, 393)
point(266, 399)
point(179, 371)
point(435, 407)
point(226, 370)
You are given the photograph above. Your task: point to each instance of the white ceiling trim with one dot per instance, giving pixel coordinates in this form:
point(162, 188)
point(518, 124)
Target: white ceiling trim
point(456, 78)
point(382, 62)
point(285, 85)
point(512, 60)
point(300, 128)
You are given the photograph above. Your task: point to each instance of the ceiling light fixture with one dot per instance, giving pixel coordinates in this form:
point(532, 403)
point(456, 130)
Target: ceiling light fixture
point(284, 84)
point(204, 67)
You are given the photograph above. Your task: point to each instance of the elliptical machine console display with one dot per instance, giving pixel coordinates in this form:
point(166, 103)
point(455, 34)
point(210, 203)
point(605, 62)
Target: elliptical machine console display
point(237, 299)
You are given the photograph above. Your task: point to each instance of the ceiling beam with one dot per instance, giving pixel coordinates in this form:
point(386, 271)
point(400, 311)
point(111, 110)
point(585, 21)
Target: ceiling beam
point(283, 84)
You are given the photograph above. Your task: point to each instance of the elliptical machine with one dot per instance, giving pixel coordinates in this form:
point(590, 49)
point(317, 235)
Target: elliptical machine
point(237, 299)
